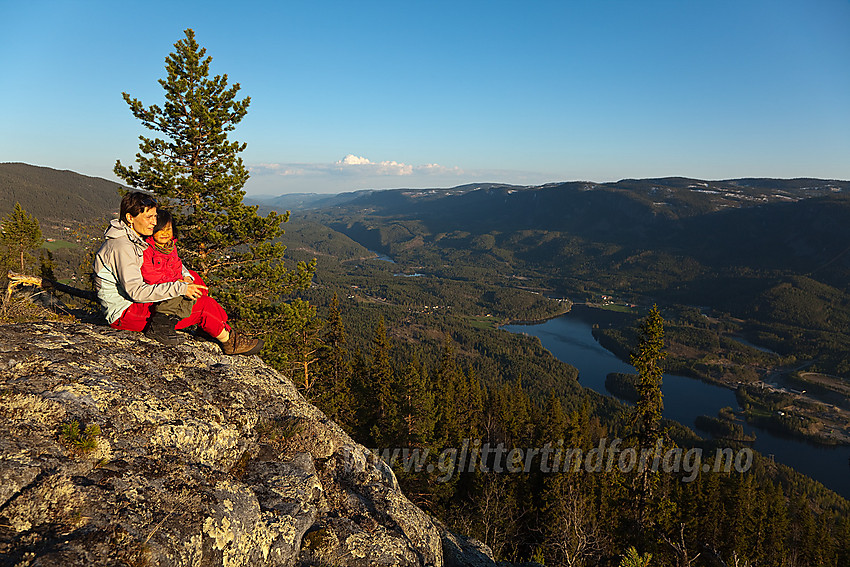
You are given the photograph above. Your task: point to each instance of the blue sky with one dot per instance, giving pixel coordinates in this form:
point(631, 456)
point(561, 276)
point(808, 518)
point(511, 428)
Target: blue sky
point(353, 95)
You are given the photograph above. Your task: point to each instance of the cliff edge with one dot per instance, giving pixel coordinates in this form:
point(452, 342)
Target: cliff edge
point(196, 459)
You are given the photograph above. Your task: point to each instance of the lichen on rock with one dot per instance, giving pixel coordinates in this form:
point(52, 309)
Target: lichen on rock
point(187, 469)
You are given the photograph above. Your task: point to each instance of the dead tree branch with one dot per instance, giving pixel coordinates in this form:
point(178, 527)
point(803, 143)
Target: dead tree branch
point(16, 280)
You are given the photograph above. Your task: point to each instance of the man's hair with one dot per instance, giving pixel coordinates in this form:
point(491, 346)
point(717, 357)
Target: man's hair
point(164, 218)
point(136, 203)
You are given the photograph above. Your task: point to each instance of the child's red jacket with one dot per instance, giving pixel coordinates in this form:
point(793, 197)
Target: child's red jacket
point(159, 267)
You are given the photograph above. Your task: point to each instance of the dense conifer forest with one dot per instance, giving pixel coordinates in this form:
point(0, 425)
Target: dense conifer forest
point(488, 388)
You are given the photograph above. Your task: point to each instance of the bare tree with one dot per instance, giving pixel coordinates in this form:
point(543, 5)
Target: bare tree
point(683, 556)
point(573, 536)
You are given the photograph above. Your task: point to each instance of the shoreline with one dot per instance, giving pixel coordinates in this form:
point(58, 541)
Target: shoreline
point(834, 437)
point(614, 314)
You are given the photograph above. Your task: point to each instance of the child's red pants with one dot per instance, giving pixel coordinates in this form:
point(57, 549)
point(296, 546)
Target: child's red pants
point(206, 313)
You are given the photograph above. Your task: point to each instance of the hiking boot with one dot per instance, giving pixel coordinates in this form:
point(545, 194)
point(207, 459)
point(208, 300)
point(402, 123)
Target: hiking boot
point(240, 344)
point(161, 328)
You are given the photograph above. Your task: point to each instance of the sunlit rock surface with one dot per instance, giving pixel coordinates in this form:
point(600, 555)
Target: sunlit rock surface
point(203, 459)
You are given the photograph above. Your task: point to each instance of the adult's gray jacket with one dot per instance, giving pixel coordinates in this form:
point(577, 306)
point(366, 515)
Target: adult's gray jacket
point(118, 273)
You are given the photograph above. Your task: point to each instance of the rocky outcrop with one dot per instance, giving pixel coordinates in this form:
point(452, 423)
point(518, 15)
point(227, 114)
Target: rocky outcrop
point(201, 459)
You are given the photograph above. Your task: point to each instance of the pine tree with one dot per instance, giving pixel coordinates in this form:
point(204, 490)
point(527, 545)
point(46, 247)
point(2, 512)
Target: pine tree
point(197, 171)
point(517, 415)
point(776, 528)
point(448, 395)
point(634, 559)
point(556, 421)
point(709, 512)
point(647, 361)
point(335, 370)
point(647, 414)
point(19, 236)
point(475, 394)
point(298, 344)
point(386, 422)
point(417, 406)
point(363, 400)
point(578, 428)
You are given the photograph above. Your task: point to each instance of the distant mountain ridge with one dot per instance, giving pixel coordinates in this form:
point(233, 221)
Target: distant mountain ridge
point(314, 201)
point(716, 194)
point(798, 224)
point(673, 197)
point(664, 231)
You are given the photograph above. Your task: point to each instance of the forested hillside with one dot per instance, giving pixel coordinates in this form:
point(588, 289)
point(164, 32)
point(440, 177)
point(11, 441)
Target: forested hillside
point(53, 195)
point(798, 227)
point(730, 245)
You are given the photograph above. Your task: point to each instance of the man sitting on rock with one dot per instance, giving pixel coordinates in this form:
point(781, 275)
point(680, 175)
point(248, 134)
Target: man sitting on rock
point(127, 299)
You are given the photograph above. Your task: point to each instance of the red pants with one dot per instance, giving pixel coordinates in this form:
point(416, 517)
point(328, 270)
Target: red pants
point(206, 313)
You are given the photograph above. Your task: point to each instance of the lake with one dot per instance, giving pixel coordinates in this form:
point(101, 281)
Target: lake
point(570, 339)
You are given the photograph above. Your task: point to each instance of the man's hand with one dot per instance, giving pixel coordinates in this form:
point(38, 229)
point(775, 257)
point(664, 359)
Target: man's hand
point(188, 279)
point(194, 291)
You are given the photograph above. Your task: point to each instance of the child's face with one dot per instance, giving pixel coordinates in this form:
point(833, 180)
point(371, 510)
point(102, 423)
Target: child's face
point(164, 236)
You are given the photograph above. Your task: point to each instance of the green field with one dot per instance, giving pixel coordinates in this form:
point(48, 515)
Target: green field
point(59, 244)
point(618, 308)
point(482, 322)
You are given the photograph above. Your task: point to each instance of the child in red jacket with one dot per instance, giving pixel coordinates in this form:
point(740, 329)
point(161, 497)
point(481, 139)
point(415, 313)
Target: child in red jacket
point(161, 264)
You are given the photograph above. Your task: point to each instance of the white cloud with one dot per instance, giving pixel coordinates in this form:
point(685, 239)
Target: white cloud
point(367, 166)
point(352, 159)
point(351, 165)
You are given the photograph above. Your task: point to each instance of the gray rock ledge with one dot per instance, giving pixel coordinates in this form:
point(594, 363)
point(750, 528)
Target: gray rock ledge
point(203, 460)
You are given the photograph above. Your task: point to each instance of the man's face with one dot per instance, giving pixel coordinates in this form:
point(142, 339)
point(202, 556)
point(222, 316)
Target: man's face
point(144, 222)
